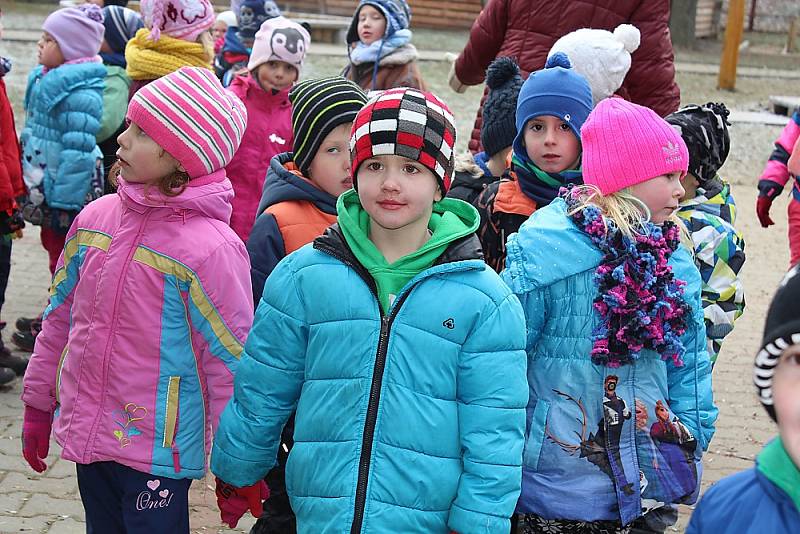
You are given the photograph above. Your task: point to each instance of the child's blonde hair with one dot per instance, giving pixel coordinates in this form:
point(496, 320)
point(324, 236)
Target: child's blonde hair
point(207, 41)
point(623, 210)
point(465, 162)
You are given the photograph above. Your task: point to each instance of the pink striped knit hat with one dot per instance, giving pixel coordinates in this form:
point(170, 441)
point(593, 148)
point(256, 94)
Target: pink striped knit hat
point(625, 144)
point(190, 115)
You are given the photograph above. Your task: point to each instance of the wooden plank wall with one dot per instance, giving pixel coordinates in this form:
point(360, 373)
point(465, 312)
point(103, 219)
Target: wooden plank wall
point(706, 21)
point(447, 14)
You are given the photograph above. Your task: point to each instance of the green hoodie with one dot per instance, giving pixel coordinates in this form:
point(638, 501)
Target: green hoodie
point(776, 464)
point(451, 220)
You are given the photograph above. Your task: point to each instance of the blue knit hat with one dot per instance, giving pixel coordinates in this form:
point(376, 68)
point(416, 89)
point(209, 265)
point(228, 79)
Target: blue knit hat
point(556, 90)
point(121, 25)
point(396, 12)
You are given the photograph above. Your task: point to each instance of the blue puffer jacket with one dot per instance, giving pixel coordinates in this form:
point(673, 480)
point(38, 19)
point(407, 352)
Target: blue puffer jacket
point(747, 503)
point(602, 443)
point(63, 112)
point(411, 422)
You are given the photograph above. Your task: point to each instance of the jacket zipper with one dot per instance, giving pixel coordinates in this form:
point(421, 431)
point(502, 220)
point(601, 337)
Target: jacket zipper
point(171, 439)
point(134, 246)
point(375, 388)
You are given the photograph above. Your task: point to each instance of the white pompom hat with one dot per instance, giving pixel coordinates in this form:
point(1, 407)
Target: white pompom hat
point(601, 56)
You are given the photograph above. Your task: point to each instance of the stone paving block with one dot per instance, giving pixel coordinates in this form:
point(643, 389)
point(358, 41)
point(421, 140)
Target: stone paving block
point(13, 462)
point(10, 503)
point(34, 483)
point(16, 525)
point(41, 504)
point(59, 468)
point(67, 526)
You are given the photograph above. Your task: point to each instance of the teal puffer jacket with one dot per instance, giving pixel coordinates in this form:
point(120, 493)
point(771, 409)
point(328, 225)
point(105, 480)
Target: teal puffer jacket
point(602, 443)
point(412, 422)
point(63, 112)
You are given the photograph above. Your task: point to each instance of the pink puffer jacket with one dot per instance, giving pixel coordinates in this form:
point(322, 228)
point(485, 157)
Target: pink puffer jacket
point(149, 309)
point(269, 133)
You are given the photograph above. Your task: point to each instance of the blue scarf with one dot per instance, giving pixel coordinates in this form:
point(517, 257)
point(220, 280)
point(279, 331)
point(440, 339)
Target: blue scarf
point(114, 58)
point(541, 186)
point(372, 53)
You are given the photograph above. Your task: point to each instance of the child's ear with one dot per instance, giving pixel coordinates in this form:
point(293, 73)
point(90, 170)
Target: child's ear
point(437, 196)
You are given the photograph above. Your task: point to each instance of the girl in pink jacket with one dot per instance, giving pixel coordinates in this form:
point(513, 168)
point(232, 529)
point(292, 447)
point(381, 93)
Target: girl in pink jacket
point(278, 54)
point(149, 308)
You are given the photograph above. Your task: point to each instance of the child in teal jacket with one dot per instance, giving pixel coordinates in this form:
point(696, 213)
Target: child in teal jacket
point(620, 407)
point(400, 349)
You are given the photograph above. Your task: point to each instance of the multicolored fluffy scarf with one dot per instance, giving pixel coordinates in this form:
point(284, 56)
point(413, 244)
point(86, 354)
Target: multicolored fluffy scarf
point(639, 300)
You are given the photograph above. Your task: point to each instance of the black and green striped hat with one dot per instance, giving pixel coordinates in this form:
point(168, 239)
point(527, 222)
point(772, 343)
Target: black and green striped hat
point(318, 107)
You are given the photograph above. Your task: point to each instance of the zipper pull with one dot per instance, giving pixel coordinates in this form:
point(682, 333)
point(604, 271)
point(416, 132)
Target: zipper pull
point(176, 458)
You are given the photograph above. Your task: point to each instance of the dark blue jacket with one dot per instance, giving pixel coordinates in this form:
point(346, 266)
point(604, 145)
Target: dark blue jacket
point(267, 244)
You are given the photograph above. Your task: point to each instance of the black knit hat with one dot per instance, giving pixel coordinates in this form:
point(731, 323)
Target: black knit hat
point(782, 329)
point(318, 107)
point(498, 128)
point(705, 131)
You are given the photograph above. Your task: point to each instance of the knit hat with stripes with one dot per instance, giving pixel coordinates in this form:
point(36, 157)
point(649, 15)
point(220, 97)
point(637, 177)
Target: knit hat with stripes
point(782, 329)
point(410, 123)
point(190, 115)
point(318, 107)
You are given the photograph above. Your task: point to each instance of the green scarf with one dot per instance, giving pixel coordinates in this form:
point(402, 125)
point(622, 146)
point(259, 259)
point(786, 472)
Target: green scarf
point(776, 464)
point(451, 220)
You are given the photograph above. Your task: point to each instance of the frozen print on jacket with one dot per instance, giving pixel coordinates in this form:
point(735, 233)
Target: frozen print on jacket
point(674, 462)
point(124, 419)
point(665, 448)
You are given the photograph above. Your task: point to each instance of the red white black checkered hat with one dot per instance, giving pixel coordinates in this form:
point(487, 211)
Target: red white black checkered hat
point(406, 122)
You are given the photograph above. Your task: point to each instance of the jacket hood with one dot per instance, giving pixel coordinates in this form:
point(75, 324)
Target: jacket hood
point(402, 56)
point(456, 222)
point(283, 184)
point(232, 42)
point(714, 200)
point(59, 82)
point(549, 247)
point(208, 195)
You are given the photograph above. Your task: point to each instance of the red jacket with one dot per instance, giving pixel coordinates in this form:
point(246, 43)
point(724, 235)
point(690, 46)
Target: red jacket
point(526, 31)
point(11, 184)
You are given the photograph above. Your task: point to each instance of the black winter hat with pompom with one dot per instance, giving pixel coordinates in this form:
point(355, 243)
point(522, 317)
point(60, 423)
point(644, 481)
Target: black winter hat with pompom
point(499, 128)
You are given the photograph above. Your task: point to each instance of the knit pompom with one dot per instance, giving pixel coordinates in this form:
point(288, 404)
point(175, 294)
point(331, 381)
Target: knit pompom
point(559, 59)
point(500, 72)
point(629, 36)
point(92, 12)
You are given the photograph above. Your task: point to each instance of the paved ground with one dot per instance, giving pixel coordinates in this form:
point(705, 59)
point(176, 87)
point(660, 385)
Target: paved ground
point(50, 503)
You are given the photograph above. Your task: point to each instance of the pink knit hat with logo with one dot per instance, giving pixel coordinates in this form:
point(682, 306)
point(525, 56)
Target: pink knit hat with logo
point(190, 115)
point(181, 19)
point(77, 30)
point(625, 144)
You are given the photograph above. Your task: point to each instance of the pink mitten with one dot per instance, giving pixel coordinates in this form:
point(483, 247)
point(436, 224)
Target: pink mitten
point(36, 426)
